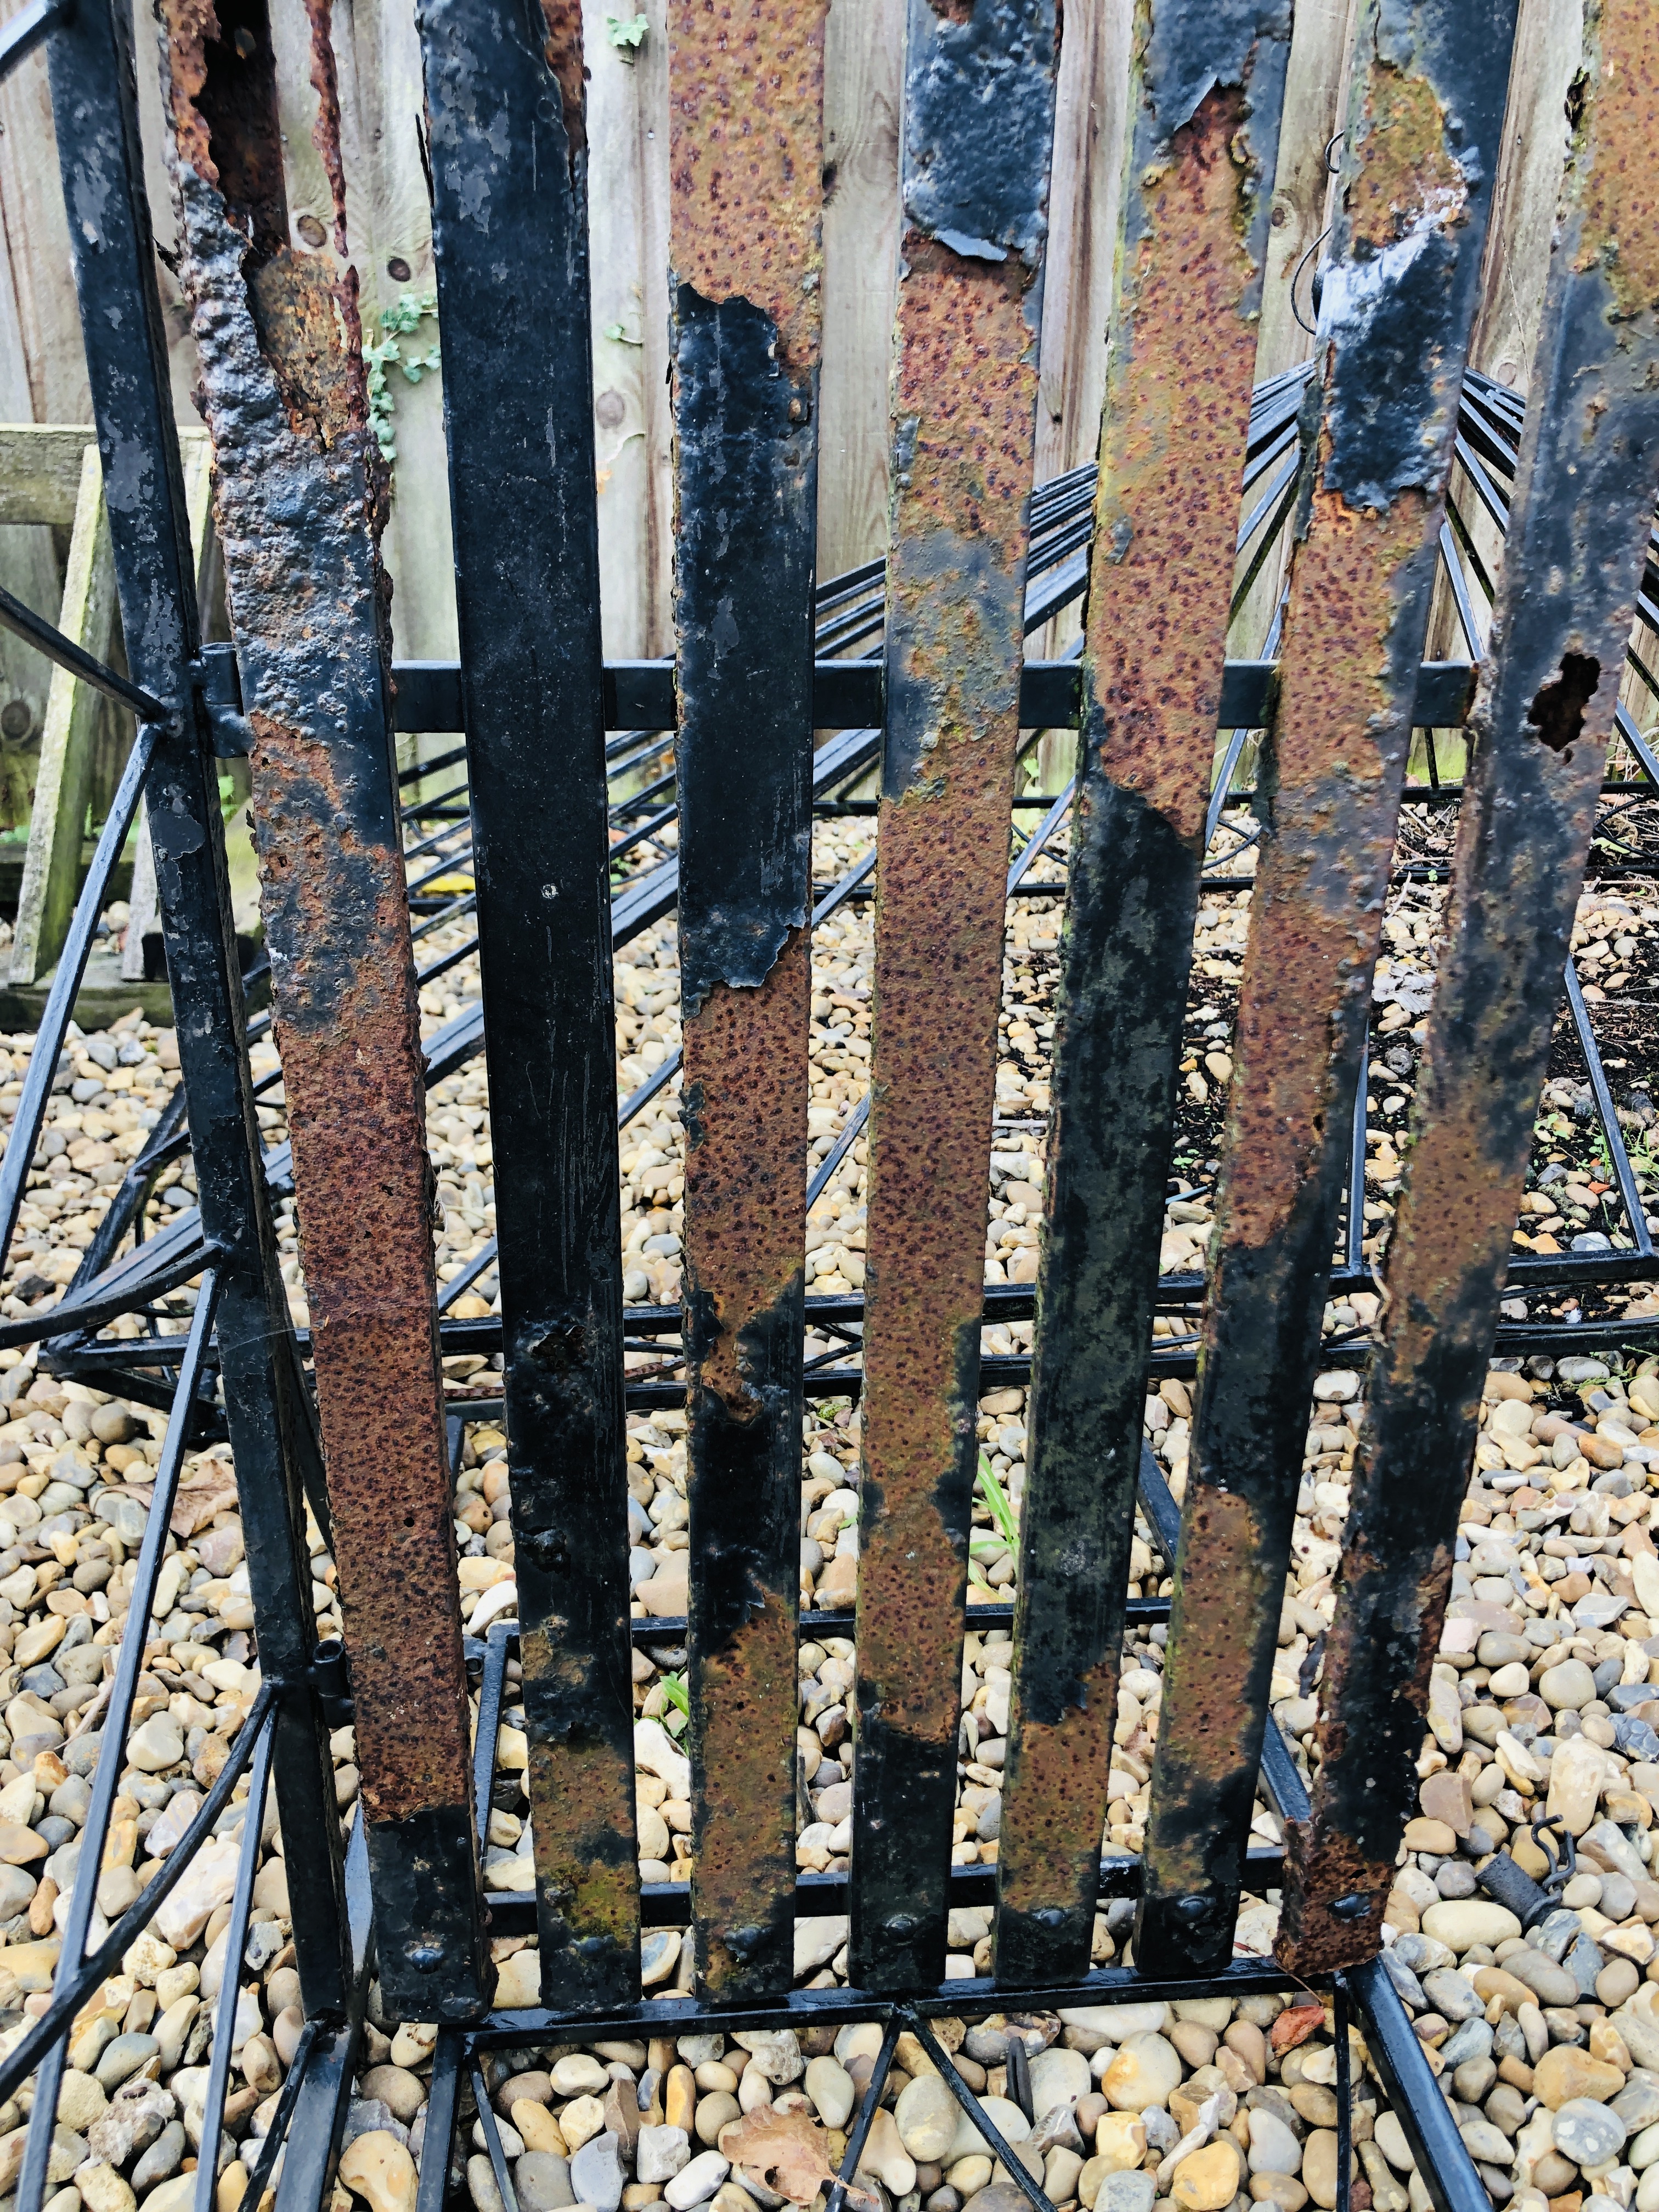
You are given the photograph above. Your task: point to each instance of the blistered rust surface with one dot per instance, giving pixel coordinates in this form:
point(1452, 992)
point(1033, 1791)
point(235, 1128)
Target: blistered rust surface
point(1578, 529)
point(746, 1170)
point(745, 155)
point(964, 404)
point(564, 50)
point(1173, 441)
point(1394, 320)
point(586, 1878)
point(298, 501)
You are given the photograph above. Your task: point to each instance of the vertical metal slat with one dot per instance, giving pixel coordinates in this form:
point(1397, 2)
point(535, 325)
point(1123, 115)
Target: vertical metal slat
point(978, 129)
point(1205, 97)
point(1539, 729)
point(504, 91)
point(746, 159)
point(94, 109)
point(1425, 113)
point(298, 487)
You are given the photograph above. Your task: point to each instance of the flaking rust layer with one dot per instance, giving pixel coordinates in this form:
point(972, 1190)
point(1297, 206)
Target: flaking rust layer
point(299, 501)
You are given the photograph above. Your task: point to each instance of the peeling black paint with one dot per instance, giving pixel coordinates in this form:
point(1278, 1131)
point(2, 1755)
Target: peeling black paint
point(1191, 45)
point(979, 121)
point(1427, 103)
point(746, 476)
point(1588, 471)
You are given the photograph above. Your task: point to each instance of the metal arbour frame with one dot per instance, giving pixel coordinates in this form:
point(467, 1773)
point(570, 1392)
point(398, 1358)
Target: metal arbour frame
point(1363, 446)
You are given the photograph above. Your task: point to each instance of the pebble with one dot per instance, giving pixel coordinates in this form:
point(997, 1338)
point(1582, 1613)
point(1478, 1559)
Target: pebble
point(696, 2183)
point(1319, 2165)
point(1460, 1923)
point(157, 1744)
point(597, 2176)
point(1206, 2179)
point(1146, 2070)
point(1588, 2134)
point(1126, 2192)
point(661, 2153)
point(1058, 2076)
point(541, 2181)
point(830, 2087)
point(377, 2169)
point(1568, 2072)
point(926, 2113)
point(1273, 2146)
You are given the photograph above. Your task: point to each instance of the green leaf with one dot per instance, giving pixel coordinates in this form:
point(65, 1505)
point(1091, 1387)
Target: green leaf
point(674, 1691)
point(618, 335)
point(627, 33)
point(996, 1499)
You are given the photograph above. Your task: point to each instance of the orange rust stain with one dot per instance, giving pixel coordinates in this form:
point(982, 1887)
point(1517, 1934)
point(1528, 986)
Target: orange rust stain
point(190, 27)
point(1615, 184)
point(1407, 174)
point(1048, 1855)
point(1317, 913)
point(967, 384)
point(745, 1848)
point(746, 159)
point(967, 380)
point(745, 1163)
point(357, 1120)
point(563, 49)
point(1176, 423)
point(1219, 1593)
point(326, 130)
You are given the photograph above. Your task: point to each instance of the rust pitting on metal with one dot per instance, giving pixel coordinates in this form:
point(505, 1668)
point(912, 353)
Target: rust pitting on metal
point(1175, 425)
point(298, 487)
point(745, 107)
point(1617, 229)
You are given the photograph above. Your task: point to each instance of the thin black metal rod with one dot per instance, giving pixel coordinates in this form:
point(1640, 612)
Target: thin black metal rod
point(112, 1755)
point(275, 2135)
point(482, 1258)
point(1001, 2148)
point(870, 2104)
point(1473, 640)
point(1607, 1113)
point(66, 984)
point(491, 1685)
point(492, 2136)
point(230, 1987)
point(28, 27)
point(96, 1313)
point(1354, 1238)
point(66, 2002)
point(1415, 2095)
point(443, 2101)
point(1344, 2098)
point(46, 639)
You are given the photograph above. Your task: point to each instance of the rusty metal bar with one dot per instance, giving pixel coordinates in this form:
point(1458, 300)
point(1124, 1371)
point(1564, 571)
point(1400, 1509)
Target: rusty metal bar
point(94, 112)
point(746, 161)
point(510, 243)
point(1426, 108)
point(978, 129)
point(1206, 96)
point(1566, 600)
point(299, 491)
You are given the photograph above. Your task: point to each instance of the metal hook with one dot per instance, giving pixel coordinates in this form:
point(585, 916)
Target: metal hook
point(1312, 329)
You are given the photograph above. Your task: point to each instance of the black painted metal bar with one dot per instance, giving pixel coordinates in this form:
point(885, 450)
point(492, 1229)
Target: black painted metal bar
point(1014, 2166)
point(869, 2106)
point(1425, 110)
point(1606, 1113)
point(35, 629)
point(492, 2136)
point(1574, 553)
point(91, 67)
point(442, 2105)
point(1414, 2094)
point(1205, 98)
point(520, 440)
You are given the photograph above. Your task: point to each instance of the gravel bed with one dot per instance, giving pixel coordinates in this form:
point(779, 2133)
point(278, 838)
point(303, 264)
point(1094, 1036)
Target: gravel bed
point(1540, 1692)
